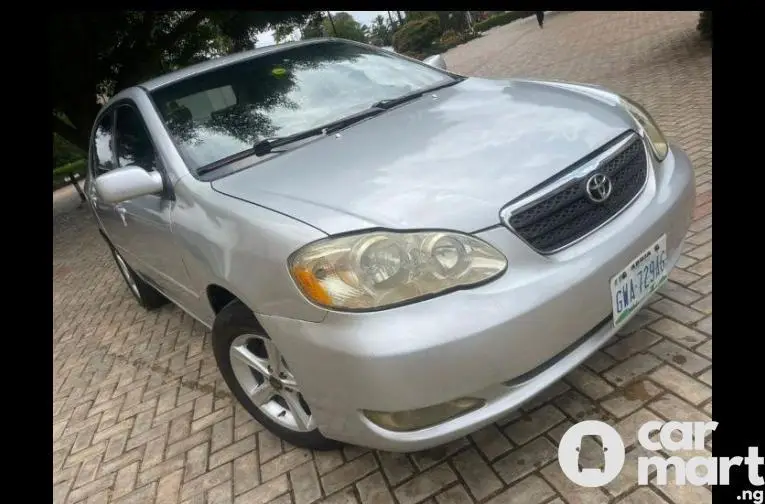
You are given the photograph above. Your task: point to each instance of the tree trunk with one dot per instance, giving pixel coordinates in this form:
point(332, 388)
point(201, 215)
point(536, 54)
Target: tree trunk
point(400, 19)
point(332, 22)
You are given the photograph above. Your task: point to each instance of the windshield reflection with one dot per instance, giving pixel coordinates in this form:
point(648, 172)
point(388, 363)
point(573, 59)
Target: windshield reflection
point(227, 110)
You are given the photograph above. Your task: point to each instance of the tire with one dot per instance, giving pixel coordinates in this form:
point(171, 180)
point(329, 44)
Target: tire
point(247, 358)
point(146, 295)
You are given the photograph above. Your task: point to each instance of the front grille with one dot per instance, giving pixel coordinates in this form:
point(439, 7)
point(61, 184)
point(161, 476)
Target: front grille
point(566, 215)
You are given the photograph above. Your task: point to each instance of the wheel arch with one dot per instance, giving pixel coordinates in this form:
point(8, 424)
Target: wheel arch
point(219, 297)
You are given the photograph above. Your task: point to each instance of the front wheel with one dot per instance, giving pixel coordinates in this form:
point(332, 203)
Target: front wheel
point(260, 379)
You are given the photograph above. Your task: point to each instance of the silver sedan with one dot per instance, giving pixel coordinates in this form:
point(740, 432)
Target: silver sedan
point(388, 254)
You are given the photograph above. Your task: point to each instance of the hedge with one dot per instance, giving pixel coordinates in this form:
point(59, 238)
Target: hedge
point(417, 36)
point(502, 19)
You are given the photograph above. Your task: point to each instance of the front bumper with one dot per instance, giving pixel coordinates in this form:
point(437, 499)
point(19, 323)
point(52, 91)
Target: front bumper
point(504, 342)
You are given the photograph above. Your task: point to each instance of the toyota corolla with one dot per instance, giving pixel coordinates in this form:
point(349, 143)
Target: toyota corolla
point(387, 253)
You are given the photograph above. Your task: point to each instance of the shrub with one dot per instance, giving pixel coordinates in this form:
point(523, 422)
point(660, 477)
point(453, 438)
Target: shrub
point(417, 36)
point(451, 38)
point(705, 24)
point(502, 19)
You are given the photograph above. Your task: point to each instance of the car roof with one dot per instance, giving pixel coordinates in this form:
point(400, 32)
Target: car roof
point(212, 64)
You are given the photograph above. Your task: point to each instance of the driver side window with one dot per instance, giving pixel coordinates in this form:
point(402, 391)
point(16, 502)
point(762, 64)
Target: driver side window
point(102, 147)
point(132, 141)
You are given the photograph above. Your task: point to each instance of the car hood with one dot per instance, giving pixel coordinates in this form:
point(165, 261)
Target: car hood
point(449, 160)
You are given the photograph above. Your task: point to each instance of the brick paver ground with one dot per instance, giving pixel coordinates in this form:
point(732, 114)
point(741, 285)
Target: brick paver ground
point(140, 413)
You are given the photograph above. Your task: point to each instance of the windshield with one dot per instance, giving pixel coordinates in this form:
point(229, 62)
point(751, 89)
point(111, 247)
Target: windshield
point(226, 111)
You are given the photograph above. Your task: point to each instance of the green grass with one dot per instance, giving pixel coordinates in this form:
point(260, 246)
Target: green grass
point(77, 167)
point(62, 172)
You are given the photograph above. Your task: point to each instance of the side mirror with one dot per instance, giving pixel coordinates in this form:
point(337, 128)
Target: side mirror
point(126, 183)
point(437, 61)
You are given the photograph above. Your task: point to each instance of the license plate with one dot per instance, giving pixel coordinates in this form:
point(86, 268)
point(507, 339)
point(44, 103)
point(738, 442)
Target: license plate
point(641, 278)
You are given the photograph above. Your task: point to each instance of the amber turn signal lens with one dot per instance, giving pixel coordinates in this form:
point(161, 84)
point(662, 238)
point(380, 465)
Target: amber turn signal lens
point(310, 286)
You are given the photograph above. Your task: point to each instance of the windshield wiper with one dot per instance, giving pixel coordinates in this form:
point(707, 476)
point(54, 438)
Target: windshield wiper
point(268, 144)
point(392, 102)
point(265, 146)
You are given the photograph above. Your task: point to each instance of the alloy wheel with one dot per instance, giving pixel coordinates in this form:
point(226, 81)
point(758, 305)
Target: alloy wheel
point(264, 376)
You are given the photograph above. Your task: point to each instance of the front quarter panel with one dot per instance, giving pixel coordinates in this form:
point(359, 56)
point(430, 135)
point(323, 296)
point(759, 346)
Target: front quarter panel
point(243, 248)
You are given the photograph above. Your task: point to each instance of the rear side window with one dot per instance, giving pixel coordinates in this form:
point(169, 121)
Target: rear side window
point(103, 154)
point(134, 148)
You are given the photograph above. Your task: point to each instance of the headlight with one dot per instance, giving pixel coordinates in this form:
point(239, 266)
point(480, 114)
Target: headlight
point(380, 269)
point(651, 131)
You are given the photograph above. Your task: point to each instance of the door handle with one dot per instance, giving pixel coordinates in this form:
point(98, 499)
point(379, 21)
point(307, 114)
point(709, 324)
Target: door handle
point(121, 212)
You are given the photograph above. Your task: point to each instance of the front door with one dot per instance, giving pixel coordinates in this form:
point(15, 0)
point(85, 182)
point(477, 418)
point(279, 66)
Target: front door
point(140, 228)
point(146, 220)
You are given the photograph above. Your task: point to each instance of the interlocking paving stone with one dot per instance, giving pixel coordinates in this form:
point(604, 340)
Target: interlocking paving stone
point(678, 333)
point(491, 442)
point(374, 490)
point(683, 385)
point(305, 483)
point(425, 484)
point(630, 398)
point(477, 475)
point(672, 407)
point(533, 424)
point(530, 490)
point(141, 414)
point(645, 495)
point(525, 460)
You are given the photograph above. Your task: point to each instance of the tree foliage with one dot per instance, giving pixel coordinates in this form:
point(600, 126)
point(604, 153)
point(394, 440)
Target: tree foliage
point(381, 32)
point(448, 20)
point(417, 36)
point(98, 53)
point(314, 28)
point(342, 25)
point(418, 15)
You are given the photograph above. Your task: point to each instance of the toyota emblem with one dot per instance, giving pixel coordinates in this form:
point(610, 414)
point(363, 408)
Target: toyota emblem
point(599, 188)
